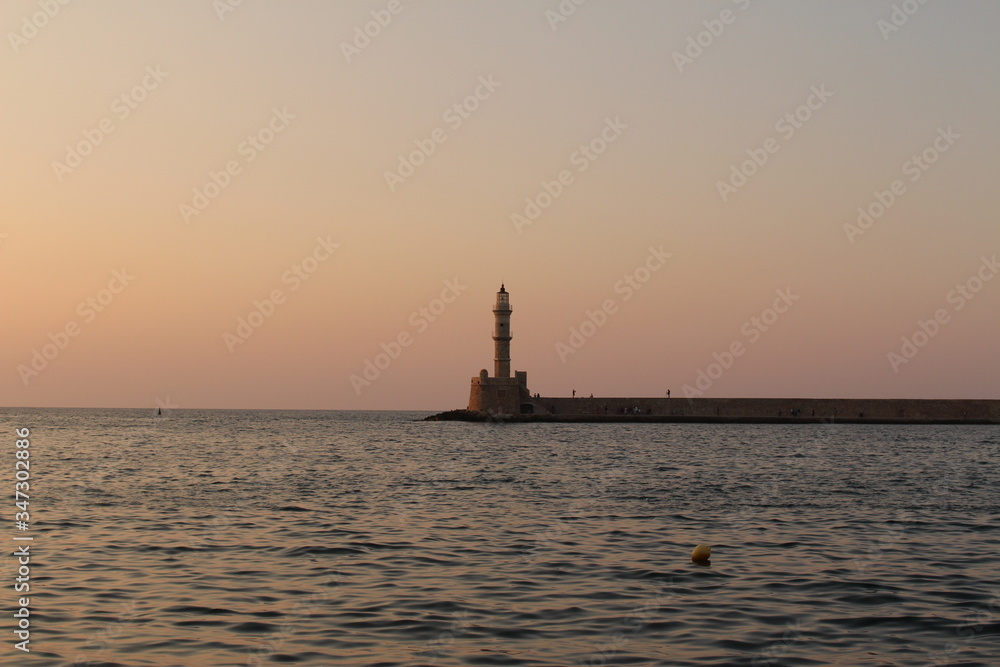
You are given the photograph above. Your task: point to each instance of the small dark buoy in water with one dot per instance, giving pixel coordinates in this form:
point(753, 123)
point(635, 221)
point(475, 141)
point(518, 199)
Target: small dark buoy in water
point(159, 411)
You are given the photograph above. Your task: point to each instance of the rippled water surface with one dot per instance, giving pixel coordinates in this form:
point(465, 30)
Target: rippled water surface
point(333, 538)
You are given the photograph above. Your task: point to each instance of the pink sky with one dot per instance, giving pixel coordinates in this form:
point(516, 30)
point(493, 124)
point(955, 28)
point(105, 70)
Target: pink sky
point(169, 171)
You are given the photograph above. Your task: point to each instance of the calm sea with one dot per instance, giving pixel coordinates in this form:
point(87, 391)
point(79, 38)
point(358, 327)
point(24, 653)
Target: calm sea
point(370, 538)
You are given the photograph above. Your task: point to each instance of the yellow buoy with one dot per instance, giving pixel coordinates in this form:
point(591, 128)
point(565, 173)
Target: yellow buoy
point(701, 553)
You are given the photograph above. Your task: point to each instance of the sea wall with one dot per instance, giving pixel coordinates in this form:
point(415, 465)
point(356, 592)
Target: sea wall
point(773, 409)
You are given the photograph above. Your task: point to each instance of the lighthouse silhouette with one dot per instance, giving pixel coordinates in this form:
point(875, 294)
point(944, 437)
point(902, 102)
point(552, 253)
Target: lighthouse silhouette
point(501, 394)
point(501, 334)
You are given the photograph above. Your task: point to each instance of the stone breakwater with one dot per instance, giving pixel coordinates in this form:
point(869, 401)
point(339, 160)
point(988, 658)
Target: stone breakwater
point(747, 410)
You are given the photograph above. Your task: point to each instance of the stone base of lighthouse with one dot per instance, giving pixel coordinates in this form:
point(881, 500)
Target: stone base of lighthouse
point(501, 396)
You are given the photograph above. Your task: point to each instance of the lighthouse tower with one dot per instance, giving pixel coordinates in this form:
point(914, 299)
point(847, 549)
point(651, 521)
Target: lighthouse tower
point(501, 334)
point(501, 394)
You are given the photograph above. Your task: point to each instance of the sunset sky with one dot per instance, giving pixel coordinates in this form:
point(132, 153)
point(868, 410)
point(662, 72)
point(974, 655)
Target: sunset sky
point(171, 167)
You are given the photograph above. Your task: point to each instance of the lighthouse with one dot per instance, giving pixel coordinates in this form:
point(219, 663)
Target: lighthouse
point(501, 394)
point(501, 334)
